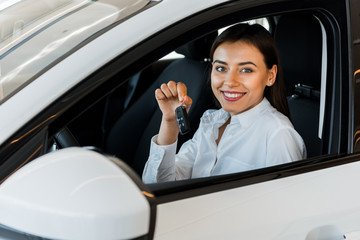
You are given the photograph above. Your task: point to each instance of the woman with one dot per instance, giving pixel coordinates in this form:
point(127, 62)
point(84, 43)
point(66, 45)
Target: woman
point(251, 130)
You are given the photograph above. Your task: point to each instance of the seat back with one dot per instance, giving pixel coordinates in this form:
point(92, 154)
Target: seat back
point(299, 40)
point(129, 138)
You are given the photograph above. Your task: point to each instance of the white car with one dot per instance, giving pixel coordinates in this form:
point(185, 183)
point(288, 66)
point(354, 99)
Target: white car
point(77, 111)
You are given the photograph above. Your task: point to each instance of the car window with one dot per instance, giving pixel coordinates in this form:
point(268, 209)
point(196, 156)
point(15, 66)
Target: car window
point(119, 114)
point(34, 34)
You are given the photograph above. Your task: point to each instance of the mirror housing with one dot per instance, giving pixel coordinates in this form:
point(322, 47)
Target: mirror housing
point(74, 193)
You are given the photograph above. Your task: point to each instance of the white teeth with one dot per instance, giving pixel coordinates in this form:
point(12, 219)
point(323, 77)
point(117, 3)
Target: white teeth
point(233, 95)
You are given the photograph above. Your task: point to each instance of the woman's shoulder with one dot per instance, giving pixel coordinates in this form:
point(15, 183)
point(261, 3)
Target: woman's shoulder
point(279, 126)
point(276, 119)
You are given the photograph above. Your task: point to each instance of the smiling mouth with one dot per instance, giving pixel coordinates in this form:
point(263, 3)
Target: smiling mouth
point(232, 96)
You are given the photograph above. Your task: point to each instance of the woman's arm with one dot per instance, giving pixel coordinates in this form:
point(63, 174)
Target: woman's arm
point(161, 162)
point(164, 165)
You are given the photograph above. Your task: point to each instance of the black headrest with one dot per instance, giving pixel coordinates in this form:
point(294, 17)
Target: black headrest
point(299, 40)
point(198, 49)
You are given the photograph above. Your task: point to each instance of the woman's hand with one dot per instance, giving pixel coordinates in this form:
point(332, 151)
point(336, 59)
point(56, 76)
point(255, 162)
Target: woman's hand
point(169, 96)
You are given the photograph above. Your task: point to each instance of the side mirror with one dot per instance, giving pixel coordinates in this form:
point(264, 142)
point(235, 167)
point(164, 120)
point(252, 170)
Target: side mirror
point(75, 193)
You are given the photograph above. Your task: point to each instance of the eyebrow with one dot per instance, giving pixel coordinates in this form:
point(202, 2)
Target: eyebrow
point(240, 64)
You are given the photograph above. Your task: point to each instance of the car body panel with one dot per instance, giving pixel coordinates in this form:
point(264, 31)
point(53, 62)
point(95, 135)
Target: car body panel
point(286, 208)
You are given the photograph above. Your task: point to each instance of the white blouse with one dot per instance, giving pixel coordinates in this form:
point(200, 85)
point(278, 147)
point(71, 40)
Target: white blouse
point(258, 138)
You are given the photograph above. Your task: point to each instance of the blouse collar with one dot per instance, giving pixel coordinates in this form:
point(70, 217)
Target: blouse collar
point(218, 118)
point(248, 117)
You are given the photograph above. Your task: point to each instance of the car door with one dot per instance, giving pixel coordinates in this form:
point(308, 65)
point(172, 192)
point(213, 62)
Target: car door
point(312, 205)
point(313, 199)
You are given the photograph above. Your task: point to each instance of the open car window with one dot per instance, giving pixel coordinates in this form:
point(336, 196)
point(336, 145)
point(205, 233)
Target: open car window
point(123, 123)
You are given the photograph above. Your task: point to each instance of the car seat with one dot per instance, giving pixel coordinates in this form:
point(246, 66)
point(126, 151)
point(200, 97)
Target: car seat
point(299, 40)
point(129, 138)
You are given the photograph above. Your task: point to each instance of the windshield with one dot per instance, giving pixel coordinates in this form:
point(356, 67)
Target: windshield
point(35, 33)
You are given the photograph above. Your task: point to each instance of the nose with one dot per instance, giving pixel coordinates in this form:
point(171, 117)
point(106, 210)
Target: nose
point(232, 79)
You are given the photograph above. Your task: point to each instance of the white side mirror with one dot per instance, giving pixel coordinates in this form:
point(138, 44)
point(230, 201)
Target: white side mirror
point(74, 193)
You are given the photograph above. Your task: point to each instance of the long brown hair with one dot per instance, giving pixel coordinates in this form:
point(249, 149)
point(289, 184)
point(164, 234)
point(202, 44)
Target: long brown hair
point(259, 37)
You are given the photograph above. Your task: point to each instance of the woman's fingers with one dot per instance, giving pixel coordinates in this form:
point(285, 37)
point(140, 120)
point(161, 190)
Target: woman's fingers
point(187, 102)
point(159, 95)
point(171, 90)
point(166, 91)
point(174, 91)
point(183, 97)
point(181, 91)
point(169, 96)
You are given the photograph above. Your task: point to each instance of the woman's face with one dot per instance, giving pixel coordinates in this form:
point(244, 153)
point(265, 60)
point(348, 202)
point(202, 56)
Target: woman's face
point(239, 76)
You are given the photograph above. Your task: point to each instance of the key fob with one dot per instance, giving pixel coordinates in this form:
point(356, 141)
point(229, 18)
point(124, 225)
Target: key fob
point(182, 120)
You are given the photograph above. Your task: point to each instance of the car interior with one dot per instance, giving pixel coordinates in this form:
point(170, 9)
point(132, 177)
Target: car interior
point(123, 122)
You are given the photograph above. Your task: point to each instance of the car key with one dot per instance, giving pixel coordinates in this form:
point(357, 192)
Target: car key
point(182, 120)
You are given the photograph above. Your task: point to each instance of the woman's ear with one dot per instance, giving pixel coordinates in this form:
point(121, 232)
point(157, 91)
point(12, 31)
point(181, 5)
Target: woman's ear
point(272, 76)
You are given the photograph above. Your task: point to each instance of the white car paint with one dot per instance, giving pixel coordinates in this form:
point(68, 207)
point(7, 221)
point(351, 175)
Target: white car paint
point(74, 193)
point(295, 205)
point(23, 106)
